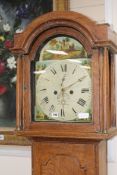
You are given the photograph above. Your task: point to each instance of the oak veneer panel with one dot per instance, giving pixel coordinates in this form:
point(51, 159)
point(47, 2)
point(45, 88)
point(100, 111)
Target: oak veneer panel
point(68, 158)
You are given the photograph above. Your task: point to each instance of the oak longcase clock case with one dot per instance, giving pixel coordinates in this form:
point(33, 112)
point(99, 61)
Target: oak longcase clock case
point(66, 92)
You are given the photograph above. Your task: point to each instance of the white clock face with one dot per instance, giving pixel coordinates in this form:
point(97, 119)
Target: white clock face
point(63, 91)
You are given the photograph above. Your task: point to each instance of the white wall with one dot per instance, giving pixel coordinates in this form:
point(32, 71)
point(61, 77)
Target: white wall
point(94, 9)
point(15, 160)
point(112, 156)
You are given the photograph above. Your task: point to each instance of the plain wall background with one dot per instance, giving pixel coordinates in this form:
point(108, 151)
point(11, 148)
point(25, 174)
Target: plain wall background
point(15, 160)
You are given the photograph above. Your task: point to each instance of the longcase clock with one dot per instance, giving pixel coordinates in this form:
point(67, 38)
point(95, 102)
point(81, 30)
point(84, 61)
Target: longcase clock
point(66, 93)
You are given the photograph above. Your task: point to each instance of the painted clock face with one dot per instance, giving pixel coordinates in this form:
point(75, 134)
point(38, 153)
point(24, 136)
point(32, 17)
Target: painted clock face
point(63, 88)
point(63, 91)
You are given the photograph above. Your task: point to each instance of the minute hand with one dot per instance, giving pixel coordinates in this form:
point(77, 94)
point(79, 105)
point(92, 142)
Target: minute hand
point(79, 80)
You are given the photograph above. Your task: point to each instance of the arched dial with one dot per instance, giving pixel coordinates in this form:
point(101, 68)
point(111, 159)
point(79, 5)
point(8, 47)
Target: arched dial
point(63, 91)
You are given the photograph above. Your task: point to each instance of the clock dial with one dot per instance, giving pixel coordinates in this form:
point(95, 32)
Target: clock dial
point(63, 91)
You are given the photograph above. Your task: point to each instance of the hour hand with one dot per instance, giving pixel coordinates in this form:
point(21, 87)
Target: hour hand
point(63, 79)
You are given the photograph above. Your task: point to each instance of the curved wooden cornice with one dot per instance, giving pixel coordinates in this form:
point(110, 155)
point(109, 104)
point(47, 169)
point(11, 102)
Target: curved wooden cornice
point(97, 34)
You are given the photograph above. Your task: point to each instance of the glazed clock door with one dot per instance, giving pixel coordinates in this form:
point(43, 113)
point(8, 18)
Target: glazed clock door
point(62, 86)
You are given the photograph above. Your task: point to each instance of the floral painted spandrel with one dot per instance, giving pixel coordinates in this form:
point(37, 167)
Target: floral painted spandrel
point(14, 17)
